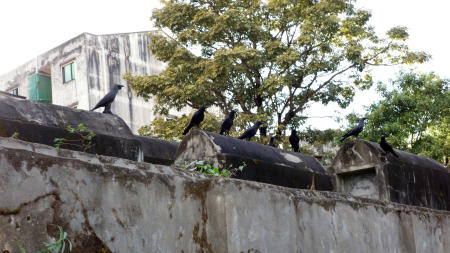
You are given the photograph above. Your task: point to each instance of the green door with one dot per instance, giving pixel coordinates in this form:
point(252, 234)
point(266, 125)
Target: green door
point(40, 88)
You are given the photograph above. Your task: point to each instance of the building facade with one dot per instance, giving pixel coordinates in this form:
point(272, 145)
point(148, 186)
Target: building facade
point(79, 72)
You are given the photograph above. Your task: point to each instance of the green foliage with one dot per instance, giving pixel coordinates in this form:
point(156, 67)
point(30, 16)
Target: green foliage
point(172, 129)
point(414, 115)
point(271, 59)
point(214, 170)
point(57, 247)
point(15, 135)
point(323, 143)
point(22, 250)
point(84, 140)
point(320, 137)
point(60, 245)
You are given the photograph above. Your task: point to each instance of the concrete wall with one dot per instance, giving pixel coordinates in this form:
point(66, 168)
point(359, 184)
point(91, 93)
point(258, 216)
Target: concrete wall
point(361, 168)
point(114, 205)
point(262, 163)
point(42, 123)
point(100, 62)
point(109, 57)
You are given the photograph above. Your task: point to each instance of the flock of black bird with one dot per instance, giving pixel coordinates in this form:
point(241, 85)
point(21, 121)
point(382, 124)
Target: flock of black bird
point(227, 123)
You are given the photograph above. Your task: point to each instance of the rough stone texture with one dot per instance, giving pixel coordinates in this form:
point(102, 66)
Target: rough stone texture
point(114, 205)
point(262, 163)
point(41, 123)
point(157, 151)
point(361, 168)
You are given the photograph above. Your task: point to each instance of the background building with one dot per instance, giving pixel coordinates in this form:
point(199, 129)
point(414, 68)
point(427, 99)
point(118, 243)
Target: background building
point(79, 72)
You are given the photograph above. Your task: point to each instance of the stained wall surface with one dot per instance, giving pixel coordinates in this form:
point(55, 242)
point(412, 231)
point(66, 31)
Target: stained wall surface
point(362, 168)
point(115, 205)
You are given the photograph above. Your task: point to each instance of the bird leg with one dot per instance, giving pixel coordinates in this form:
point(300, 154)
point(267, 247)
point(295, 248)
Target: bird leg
point(107, 109)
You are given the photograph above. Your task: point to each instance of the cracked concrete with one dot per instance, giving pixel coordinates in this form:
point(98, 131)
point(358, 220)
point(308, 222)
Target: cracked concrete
point(114, 205)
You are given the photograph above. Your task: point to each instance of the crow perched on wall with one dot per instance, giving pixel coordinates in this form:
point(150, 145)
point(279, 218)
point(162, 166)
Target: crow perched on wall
point(386, 147)
point(107, 100)
point(271, 143)
point(196, 119)
point(228, 122)
point(356, 130)
point(293, 140)
point(250, 132)
point(263, 131)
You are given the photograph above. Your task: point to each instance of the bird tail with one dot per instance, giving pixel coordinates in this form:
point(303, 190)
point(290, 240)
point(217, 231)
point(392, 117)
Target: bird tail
point(344, 137)
point(394, 153)
point(186, 130)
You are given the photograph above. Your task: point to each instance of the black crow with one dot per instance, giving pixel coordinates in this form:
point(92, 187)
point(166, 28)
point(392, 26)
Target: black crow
point(228, 122)
point(250, 132)
point(386, 147)
point(294, 139)
point(108, 99)
point(271, 143)
point(446, 161)
point(263, 131)
point(107, 109)
point(355, 131)
point(196, 119)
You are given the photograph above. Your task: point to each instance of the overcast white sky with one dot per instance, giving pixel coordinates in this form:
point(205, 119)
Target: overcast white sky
point(29, 28)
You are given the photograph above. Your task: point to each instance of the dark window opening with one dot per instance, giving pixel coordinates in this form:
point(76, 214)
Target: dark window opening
point(68, 72)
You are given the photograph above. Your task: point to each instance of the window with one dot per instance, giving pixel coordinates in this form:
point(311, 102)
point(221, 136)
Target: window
point(14, 91)
point(68, 72)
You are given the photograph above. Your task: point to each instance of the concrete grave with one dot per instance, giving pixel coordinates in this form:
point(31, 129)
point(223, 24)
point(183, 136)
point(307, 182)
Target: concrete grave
point(41, 123)
point(361, 168)
point(262, 163)
point(108, 204)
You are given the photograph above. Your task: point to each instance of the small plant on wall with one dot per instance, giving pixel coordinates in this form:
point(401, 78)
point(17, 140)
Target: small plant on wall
point(15, 135)
point(214, 170)
point(84, 140)
point(59, 246)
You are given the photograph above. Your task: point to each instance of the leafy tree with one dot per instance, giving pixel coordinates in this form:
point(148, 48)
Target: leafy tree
point(271, 59)
point(414, 115)
point(172, 129)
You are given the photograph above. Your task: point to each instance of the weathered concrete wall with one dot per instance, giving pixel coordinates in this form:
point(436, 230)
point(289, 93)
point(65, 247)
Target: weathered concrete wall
point(123, 206)
point(262, 163)
point(111, 56)
point(41, 123)
point(361, 168)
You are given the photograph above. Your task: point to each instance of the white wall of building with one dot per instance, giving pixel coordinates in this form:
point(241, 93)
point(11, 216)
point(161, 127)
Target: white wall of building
point(100, 62)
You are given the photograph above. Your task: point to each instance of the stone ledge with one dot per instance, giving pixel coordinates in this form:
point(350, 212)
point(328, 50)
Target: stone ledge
point(41, 123)
point(123, 206)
